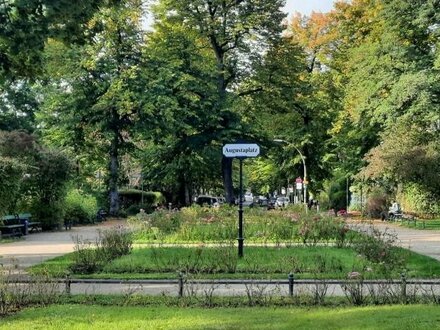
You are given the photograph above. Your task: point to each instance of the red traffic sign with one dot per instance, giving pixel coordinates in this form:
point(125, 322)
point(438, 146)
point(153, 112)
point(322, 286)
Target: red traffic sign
point(298, 180)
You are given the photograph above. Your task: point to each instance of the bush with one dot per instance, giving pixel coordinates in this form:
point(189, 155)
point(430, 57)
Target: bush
point(80, 208)
point(135, 209)
point(337, 193)
point(318, 228)
point(379, 248)
point(47, 187)
point(110, 244)
point(418, 200)
point(377, 203)
point(11, 173)
point(115, 242)
point(51, 215)
point(134, 196)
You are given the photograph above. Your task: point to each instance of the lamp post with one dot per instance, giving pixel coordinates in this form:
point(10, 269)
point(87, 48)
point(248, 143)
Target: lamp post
point(304, 166)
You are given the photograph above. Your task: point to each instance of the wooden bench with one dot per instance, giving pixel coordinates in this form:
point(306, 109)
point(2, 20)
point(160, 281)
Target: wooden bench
point(32, 225)
point(10, 225)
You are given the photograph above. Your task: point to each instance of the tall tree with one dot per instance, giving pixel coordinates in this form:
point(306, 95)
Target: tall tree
point(97, 102)
point(182, 89)
point(236, 32)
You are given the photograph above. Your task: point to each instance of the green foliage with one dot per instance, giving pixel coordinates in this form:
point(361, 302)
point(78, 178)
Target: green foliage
point(337, 192)
point(316, 228)
point(92, 257)
point(379, 248)
point(11, 174)
point(377, 203)
point(47, 185)
point(131, 200)
point(42, 187)
point(115, 242)
point(99, 89)
point(416, 199)
point(202, 224)
point(25, 28)
point(80, 208)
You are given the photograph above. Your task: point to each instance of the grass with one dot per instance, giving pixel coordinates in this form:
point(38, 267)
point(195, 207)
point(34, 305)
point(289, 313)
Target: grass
point(104, 317)
point(258, 262)
point(422, 224)
point(10, 240)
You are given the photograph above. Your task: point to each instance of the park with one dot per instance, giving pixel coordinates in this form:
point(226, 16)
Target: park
point(216, 164)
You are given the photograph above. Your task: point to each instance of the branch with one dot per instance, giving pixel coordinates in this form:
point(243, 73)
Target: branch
point(251, 91)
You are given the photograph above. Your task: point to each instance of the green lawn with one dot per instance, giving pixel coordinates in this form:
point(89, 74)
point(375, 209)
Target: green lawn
point(120, 318)
point(258, 262)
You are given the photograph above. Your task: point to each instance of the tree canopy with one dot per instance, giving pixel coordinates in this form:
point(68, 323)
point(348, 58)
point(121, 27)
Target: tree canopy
point(354, 93)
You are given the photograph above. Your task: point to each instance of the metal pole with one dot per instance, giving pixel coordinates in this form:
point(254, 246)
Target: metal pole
point(240, 213)
point(180, 284)
point(305, 176)
point(291, 279)
point(68, 282)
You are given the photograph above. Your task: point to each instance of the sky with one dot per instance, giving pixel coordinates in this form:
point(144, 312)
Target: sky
point(305, 7)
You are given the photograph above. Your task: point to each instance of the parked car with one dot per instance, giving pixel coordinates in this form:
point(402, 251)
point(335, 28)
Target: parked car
point(208, 201)
point(262, 201)
point(282, 202)
point(221, 200)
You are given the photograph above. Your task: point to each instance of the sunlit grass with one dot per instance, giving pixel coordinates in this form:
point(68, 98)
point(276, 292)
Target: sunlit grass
point(258, 262)
point(98, 317)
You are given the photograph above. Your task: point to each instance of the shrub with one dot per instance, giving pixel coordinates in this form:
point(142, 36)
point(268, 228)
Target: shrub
point(47, 186)
point(376, 204)
point(11, 173)
point(378, 248)
point(337, 193)
point(134, 196)
point(415, 199)
point(316, 228)
point(86, 259)
point(110, 244)
point(115, 242)
point(81, 208)
point(135, 209)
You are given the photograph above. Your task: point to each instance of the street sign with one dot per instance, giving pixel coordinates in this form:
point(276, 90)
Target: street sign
point(299, 186)
point(298, 180)
point(241, 150)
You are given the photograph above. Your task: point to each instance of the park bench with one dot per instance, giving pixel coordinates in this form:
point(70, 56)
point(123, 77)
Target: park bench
point(31, 225)
point(10, 225)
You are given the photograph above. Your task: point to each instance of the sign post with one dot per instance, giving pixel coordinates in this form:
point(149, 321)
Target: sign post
point(241, 151)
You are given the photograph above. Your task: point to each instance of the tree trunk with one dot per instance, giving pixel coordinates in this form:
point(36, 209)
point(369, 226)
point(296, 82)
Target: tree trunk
point(113, 177)
point(227, 179)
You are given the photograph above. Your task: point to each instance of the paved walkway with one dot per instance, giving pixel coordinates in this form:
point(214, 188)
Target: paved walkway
point(426, 242)
point(37, 247)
